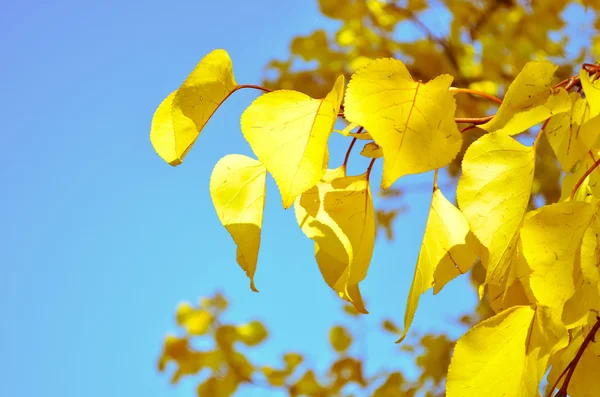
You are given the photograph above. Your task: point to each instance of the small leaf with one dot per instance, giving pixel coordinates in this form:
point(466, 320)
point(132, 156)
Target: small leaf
point(372, 150)
point(591, 91)
point(347, 130)
point(288, 131)
point(181, 117)
point(412, 121)
point(446, 229)
point(338, 215)
point(252, 333)
point(529, 100)
point(493, 193)
point(340, 339)
point(237, 189)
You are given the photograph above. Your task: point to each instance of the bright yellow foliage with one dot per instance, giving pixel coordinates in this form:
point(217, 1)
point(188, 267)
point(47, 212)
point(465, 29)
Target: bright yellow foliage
point(237, 188)
point(552, 240)
point(529, 100)
point(505, 355)
point(592, 92)
point(412, 121)
point(289, 131)
point(182, 115)
point(344, 239)
point(564, 133)
point(496, 163)
point(446, 247)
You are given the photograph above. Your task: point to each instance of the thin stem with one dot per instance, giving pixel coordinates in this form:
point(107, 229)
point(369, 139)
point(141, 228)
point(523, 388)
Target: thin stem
point(370, 168)
point(256, 87)
point(539, 135)
point(435, 177)
point(474, 120)
point(563, 373)
point(360, 130)
point(580, 181)
point(562, 392)
point(475, 92)
point(467, 128)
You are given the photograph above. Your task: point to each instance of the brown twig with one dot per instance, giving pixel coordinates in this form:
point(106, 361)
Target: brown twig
point(474, 120)
point(478, 93)
point(580, 181)
point(360, 130)
point(562, 392)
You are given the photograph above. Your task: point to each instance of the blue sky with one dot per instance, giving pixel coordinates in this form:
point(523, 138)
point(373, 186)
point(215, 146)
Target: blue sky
point(101, 239)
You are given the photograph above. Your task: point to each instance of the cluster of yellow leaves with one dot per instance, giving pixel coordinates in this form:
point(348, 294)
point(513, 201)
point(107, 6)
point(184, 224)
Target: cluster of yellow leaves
point(542, 276)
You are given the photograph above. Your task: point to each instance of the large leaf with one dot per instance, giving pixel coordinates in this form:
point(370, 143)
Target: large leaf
point(446, 247)
point(506, 355)
point(237, 188)
point(338, 215)
point(552, 240)
point(493, 192)
point(181, 116)
point(412, 121)
point(288, 131)
point(529, 100)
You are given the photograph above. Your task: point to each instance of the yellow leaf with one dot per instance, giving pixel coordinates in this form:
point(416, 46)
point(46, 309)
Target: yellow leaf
point(181, 116)
point(237, 188)
point(446, 228)
point(392, 386)
point(339, 338)
point(372, 150)
point(307, 385)
point(338, 215)
point(292, 360)
point(591, 91)
point(490, 359)
point(590, 185)
point(585, 381)
point(586, 280)
point(551, 241)
point(347, 130)
point(252, 333)
point(412, 121)
point(529, 100)
point(288, 131)
point(493, 192)
point(275, 377)
point(563, 133)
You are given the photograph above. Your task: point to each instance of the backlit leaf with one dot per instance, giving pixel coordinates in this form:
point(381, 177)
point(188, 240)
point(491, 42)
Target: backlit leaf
point(551, 242)
point(288, 131)
point(338, 215)
point(446, 228)
point(237, 189)
point(412, 121)
point(563, 133)
point(493, 192)
point(490, 359)
point(183, 114)
point(591, 91)
point(529, 100)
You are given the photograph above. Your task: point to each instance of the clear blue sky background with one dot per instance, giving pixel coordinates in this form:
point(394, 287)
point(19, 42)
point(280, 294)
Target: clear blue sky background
point(101, 239)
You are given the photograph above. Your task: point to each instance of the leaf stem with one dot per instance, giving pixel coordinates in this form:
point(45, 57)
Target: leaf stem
point(473, 120)
point(360, 130)
point(370, 167)
point(539, 135)
point(478, 93)
point(580, 181)
point(562, 392)
point(435, 178)
point(256, 87)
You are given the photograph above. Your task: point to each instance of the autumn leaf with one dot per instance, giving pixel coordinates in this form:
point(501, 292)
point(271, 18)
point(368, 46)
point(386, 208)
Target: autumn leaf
point(371, 150)
point(506, 355)
point(592, 92)
point(338, 215)
point(237, 189)
point(550, 254)
point(446, 230)
point(339, 338)
point(529, 100)
point(493, 192)
point(195, 321)
point(181, 117)
point(288, 131)
point(563, 133)
point(412, 121)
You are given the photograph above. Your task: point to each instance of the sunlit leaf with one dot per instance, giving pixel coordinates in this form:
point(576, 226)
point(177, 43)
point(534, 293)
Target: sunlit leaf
point(338, 215)
point(288, 131)
point(493, 193)
point(252, 333)
point(446, 229)
point(529, 100)
point(237, 189)
point(412, 121)
point(184, 113)
point(591, 91)
point(339, 338)
point(550, 254)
